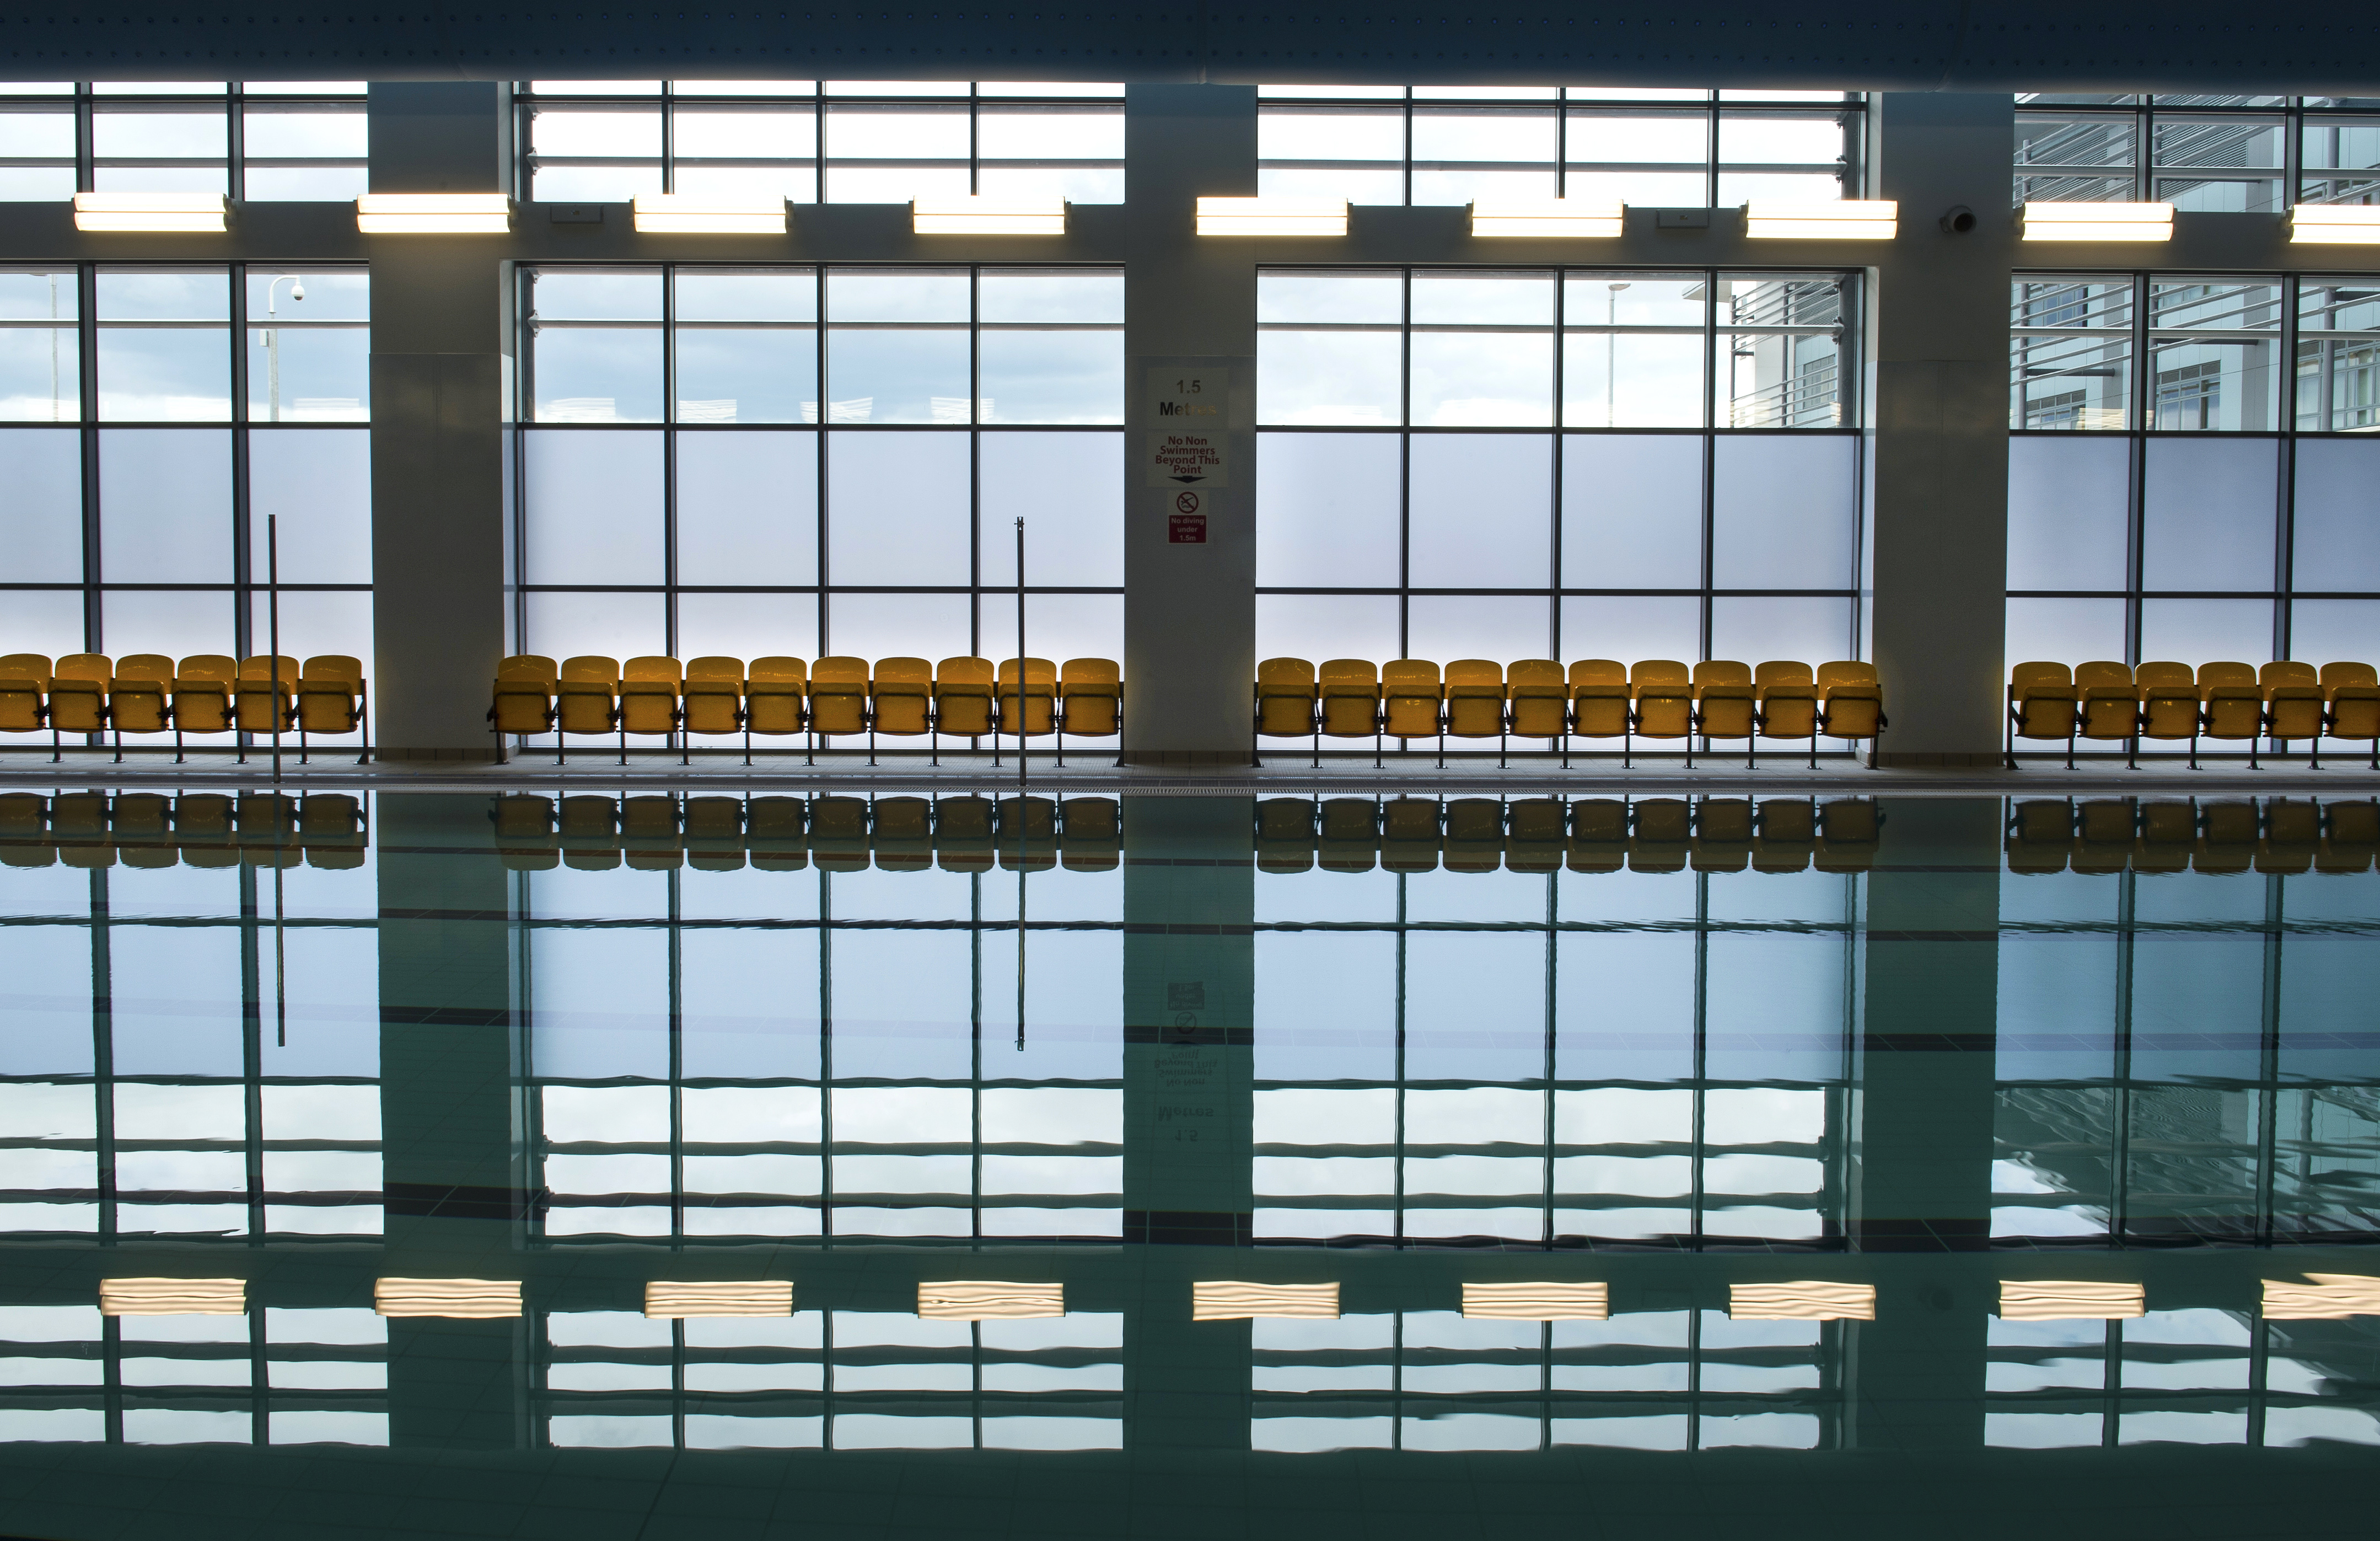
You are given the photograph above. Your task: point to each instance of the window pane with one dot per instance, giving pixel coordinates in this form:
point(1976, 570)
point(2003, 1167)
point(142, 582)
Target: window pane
point(895, 625)
point(748, 625)
point(1049, 133)
point(1318, 626)
point(41, 520)
point(2207, 514)
point(2068, 160)
point(165, 506)
point(1357, 185)
point(176, 624)
point(2350, 145)
point(1753, 630)
point(2334, 542)
point(2338, 356)
point(896, 133)
point(1639, 139)
point(1068, 490)
point(1057, 626)
point(314, 622)
point(610, 625)
point(1632, 511)
point(1629, 627)
point(2207, 631)
point(743, 133)
point(1074, 184)
point(1051, 377)
point(1442, 626)
point(593, 513)
point(897, 510)
point(1780, 351)
point(606, 132)
point(1326, 510)
point(303, 133)
point(2065, 631)
point(593, 184)
point(317, 482)
point(46, 621)
point(2217, 153)
point(41, 367)
point(910, 371)
point(608, 372)
point(1481, 511)
point(1781, 512)
point(2327, 631)
point(747, 508)
point(310, 359)
point(1329, 134)
point(2215, 349)
point(168, 360)
point(2071, 355)
point(1482, 379)
point(2069, 512)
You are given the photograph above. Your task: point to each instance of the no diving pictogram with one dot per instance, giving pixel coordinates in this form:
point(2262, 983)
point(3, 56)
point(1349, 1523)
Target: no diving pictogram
point(1186, 502)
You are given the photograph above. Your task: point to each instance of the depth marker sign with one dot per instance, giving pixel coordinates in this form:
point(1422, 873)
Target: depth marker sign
point(1186, 442)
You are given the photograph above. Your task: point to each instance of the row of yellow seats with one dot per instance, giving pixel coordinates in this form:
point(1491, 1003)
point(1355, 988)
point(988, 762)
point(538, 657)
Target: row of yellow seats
point(206, 693)
point(1595, 697)
point(199, 828)
point(2111, 834)
point(778, 834)
point(2107, 700)
point(959, 697)
point(1545, 834)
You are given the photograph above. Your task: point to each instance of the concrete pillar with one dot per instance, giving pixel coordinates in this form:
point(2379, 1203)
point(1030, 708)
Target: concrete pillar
point(1937, 565)
point(1190, 343)
point(440, 333)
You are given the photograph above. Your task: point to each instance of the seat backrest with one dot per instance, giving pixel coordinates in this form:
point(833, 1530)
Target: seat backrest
point(207, 666)
point(1846, 671)
point(963, 671)
point(1348, 671)
point(1090, 671)
point(144, 666)
point(1285, 673)
point(652, 666)
point(905, 671)
point(713, 667)
point(261, 668)
point(2333, 674)
point(1660, 671)
point(2102, 672)
point(2272, 674)
point(2162, 672)
point(1599, 671)
point(2219, 673)
point(340, 666)
point(1474, 671)
point(1781, 671)
point(2040, 674)
point(1722, 671)
point(28, 666)
point(1038, 670)
point(1408, 676)
point(841, 670)
point(591, 667)
point(777, 669)
point(528, 666)
point(98, 666)
point(1533, 671)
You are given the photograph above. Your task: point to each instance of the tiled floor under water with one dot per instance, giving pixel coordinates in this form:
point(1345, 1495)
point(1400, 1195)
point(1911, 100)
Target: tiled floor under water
point(399, 1164)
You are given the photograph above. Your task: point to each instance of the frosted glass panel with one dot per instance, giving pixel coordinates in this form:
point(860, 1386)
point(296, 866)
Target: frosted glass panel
point(1315, 626)
point(318, 483)
point(748, 625)
point(2065, 631)
point(1057, 626)
point(1632, 511)
point(315, 622)
point(2207, 631)
point(2067, 511)
point(164, 506)
point(1068, 490)
point(747, 508)
point(1629, 627)
point(897, 509)
point(1326, 510)
point(41, 520)
point(1781, 511)
point(1753, 630)
point(897, 626)
point(614, 625)
point(45, 620)
point(1449, 626)
point(2331, 631)
point(1629, 379)
point(2335, 542)
point(1482, 510)
point(2207, 516)
point(162, 621)
point(594, 508)
point(1051, 377)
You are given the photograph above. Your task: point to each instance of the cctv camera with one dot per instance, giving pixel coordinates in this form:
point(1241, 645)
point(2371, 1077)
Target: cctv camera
point(1958, 220)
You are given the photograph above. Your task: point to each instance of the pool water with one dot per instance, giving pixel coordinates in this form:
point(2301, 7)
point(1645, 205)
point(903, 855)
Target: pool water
point(1173, 1165)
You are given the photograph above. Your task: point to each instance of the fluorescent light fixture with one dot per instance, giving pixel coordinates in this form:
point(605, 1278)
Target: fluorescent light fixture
point(2329, 1297)
point(2098, 222)
point(1819, 1300)
point(2334, 224)
point(1770, 219)
point(988, 216)
point(1225, 1300)
point(1538, 1303)
point(761, 1297)
point(698, 214)
point(1272, 216)
point(1557, 218)
point(470, 1298)
point(162, 212)
point(2051, 1300)
point(173, 1297)
point(433, 213)
point(978, 1300)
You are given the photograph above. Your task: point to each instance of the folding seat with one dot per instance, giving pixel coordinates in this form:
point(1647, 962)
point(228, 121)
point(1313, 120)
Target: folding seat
point(714, 831)
point(838, 697)
point(1350, 701)
point(1722, 834)
point(1286, 701)
point(2105, 829)
point(1724, 705)
point(1410, 835)
point(331, 826)
point(2351, 692)
point(1663, 690)
point(1849, 829)
point(1474, 700)
point(1788, 834)
point(2351, 837)
point(1351, 835)
point(2228, 832)
point(140, 827)
point(1533, 836)
point(2041, 703)
point(962, 833)
point(1786, 703)
point(591, 833)
point(1026, 711)
point(1851, 703)
point(22, 707)
point(268, 830)
point(2168, 832)
point(259, 705)
point(2292, 834)
point(1027, 838)
point(203, 831)
point(1474, 835)
point(649, 694)
point(2169, 702)
point(963, 698)
point(710, 702)
point(1663, 834)
point(2040, 835)
point(77, 695)
point(203, 685)
point(525, 686)
point(1090, 701)
point(1599, 835)
point(1538, 700)
point(331, 700)
point(903, 836)
point(25, 831)
point(839, 834)
point(902, 694)
point(79, 829)
point(2110, 701)
point(140, 697)
point(587, 700)
point(525, 841)
point(2232, 705)
point(1090, 834)
point(1413, 703)
point(1285, 835)
point(775, 832)
point(2292, 702)
point(774, 692)
point(1600, 703)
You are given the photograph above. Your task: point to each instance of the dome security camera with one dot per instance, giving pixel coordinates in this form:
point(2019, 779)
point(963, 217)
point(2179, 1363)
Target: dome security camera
point(1958, 220)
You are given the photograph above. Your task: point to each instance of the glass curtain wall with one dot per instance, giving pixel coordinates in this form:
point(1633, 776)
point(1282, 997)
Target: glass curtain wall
point(2191, 472)
point(842, 142)
point(2236, 155)
point(1564, 463)
point(258, 140)
point(1456, 144)
point(684, 491)
point(153, 420)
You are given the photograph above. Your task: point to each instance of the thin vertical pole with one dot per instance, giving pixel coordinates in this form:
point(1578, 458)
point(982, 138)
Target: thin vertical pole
point(1020, 744)
point(273, 627)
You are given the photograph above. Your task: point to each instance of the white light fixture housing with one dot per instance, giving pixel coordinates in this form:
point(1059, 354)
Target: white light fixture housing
point(2053, 1300)
point(988, 216)
point(2334, 224)
point(1770, 219)
point(699, 214)
point(2098, 222)
point(1820, 1300)
point(434, 213)
point(983, 1300)
point(1272, 216)
point(173, 1297)
point(186, 213)
point(1557, 218)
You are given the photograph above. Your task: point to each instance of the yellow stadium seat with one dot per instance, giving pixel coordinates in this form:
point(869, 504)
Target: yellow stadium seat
point(261, 707)
point(1533, 836)
point(1351, 835)
point(77, 696)
point(712, 700)
point(1287, 701)
point(648, 695)
point(331, 700)
point(1029, 709)
point(2351, 692)
point(963, 835)
point(590, 835)
point(1851, 702)
point(2041, 703)
point(23, 676)
point(903, 701)
point(1786, 703)
point(2232, 705)
point(2110, 702)
point(1474, 700)
point(1599, 835)
point(1413, 702)
point(2292, 702)
point(1090, 698)
point(203, 685)
point(586, 699)
point(1349, 700)
point(775, 692)
point(1663, 690)
point(963, 696)
point(1285, 835)
point(139, 697)
point(524, 702)
point(838, 698)
point(1540, 698)
point(1725, 704)
point(1600, 703)
point(775, 831)
point(2169, 697)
